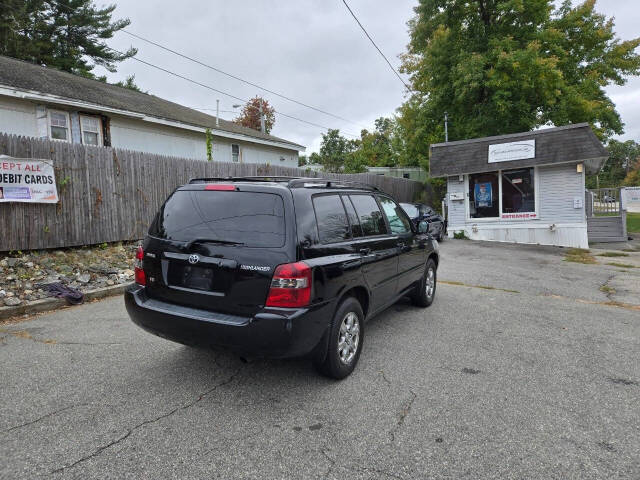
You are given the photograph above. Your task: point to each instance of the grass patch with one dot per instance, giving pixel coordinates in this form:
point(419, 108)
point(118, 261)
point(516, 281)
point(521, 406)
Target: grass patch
point(633, 222)
point(621, 265)
point(607, 289)
point(460, 235)
point(580, 255)
point(613, 254)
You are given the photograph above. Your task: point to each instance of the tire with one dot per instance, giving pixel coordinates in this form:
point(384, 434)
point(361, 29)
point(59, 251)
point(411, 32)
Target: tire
point(422, 296)
point(336, 363)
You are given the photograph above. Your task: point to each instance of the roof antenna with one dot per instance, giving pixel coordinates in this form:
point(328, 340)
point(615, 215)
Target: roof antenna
point(217, 112)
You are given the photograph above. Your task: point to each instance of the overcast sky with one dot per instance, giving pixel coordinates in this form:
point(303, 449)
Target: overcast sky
point(310, 50)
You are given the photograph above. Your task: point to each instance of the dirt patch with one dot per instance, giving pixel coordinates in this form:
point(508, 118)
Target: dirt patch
point(580, 255)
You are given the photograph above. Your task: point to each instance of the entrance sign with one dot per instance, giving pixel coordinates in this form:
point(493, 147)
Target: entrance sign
point(27, 180)
point(506, 152)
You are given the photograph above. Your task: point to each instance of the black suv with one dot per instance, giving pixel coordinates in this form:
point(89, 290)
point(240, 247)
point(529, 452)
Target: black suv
point(279, 267)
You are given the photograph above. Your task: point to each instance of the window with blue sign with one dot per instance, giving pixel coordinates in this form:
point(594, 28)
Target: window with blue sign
point(484, 195)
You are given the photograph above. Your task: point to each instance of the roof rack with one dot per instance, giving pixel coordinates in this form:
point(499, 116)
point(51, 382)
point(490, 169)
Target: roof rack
point(264, 178)
point(330, 183)
point(292, 182)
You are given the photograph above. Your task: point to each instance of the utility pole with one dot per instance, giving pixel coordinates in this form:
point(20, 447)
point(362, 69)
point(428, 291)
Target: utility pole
point(446, 127)
point(262, 127)
point(217, 112)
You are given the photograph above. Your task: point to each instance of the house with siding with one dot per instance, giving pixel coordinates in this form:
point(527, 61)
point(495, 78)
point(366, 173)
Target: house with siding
point(42, 102)
point(523, 188)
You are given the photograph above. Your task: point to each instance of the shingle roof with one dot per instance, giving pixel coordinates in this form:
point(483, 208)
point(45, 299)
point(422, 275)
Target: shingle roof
point(566, 144)
point(27, 76)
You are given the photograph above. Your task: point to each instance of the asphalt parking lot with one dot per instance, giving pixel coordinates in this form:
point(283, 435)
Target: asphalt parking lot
point(524, 367)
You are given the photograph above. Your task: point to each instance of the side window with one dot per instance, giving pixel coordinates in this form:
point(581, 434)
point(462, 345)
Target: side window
point(59, 125)
point(356, 229)
point(332, 220)
point(398, 221)
point(371, 219)
point(91, 129)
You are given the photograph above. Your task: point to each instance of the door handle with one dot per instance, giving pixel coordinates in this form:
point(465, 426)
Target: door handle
point(365, 251)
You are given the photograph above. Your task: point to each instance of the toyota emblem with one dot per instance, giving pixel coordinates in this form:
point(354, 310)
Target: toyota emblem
point(194, 259)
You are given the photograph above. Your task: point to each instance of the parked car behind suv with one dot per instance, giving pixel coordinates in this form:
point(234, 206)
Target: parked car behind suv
point(279, 267)
point(419, 212)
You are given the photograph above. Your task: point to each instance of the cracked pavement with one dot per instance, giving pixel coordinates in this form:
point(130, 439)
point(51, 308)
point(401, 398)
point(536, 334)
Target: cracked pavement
point(522, 368)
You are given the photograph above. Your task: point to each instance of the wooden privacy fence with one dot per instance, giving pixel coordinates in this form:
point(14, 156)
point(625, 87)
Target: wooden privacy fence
point(109, 195)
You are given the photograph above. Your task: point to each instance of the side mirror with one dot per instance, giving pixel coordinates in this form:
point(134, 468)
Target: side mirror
point(423, 227)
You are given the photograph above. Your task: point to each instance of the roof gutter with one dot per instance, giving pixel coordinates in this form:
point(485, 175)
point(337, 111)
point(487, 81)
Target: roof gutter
point(9, 91)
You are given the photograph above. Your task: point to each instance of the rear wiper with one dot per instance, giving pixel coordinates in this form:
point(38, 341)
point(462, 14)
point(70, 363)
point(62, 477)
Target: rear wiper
point(190, 243)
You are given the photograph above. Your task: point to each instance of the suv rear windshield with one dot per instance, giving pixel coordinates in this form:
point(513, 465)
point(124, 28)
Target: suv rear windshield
point(250, 218)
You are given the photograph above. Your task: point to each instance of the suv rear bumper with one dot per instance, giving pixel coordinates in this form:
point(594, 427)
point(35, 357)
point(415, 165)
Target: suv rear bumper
point(272, 332)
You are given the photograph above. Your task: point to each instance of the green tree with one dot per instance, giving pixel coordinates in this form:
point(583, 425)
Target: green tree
point(65, 34)
point(250, 114)
point(129, 82)
point(622, 156)
point(375, 148)
point(335, 150)
point(633, 177)
point(505, 66)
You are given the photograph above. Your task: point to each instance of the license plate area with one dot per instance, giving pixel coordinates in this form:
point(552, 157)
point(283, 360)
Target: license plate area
point(206, 279)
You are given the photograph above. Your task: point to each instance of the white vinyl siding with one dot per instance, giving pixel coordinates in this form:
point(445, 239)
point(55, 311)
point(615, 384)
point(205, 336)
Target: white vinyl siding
point(18, 117)
point(558, 186)
point(456, 207)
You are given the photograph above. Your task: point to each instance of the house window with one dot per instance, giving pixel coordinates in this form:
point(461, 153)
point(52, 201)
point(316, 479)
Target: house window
point(91, 129)
point(59, 125)
point(484, 195)
point(405, 175)
point(235, 152)
point(282, 159)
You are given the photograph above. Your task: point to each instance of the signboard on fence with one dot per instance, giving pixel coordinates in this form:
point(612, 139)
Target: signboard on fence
point(631, 199)
point(27, 180)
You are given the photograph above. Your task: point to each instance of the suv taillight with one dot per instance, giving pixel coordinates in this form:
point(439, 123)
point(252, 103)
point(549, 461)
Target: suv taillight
point(139, 273)
point(290, 286)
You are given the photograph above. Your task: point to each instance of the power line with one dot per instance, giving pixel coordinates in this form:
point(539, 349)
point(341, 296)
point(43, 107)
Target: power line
point(220, 91)
point(225, 93)
point(235, 77)
point(374, 44)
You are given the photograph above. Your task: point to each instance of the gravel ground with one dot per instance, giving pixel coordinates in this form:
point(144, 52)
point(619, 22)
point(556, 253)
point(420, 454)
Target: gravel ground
point(522, 368)
point(85, 268)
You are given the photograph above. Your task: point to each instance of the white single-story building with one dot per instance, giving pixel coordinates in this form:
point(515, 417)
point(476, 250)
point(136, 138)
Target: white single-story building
point(522, 188)
point(42, 102)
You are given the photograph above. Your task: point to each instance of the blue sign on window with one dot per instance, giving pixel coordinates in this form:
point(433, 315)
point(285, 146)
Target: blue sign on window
point(482, 195)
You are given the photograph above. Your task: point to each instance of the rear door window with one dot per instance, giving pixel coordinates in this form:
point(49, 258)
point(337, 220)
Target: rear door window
point(250, 218)
point(368, 211)
point(331, 218)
